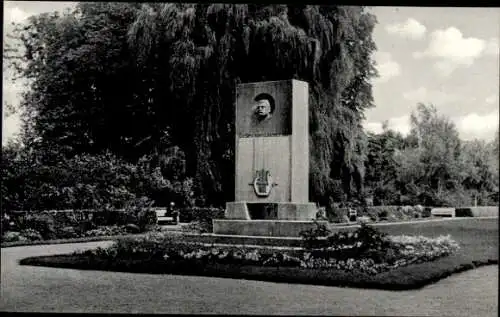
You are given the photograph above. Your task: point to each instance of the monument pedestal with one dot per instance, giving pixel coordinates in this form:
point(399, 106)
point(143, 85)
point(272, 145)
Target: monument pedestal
point(266, 228)
point(270, 211)
point(279, 219)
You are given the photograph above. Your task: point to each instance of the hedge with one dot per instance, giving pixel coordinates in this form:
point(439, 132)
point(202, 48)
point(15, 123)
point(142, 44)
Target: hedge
point(482, 211)
point(378, 213)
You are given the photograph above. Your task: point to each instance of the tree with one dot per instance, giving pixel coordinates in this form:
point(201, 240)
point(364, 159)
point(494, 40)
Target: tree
point(171, 70)
point(439, 147)
point(79, 68)
point(207, 49)
point(479, 176)
point(382, 165)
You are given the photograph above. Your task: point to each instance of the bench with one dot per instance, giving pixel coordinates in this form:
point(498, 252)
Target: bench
point(443, 212)
point(162, 218)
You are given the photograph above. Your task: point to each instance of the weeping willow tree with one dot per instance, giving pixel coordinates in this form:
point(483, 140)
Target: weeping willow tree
point(194, 55)
point(170, 72)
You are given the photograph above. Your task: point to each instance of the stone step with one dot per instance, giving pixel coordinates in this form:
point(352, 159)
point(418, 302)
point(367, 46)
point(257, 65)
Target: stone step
point(268, 228)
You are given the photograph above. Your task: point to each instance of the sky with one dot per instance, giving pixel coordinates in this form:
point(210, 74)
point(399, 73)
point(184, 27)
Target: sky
point(448, 57)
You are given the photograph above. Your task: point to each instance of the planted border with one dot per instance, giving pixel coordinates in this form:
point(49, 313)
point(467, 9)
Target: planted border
point(74, 240)
point(404, 278)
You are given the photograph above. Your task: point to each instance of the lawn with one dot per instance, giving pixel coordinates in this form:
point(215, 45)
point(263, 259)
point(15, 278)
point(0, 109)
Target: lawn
point(478, 240)
point(477, 237)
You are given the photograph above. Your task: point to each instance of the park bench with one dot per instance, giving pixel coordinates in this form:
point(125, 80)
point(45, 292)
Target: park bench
point(443, 212)
point(164, 216)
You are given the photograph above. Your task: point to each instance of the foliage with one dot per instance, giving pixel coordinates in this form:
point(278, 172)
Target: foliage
point(200, 218)
point(170, 72)
point(43, 223)
point(106, 231)
point(138, 216)
point(376, 252)
point(6, 221)
point(312, 237)
point(66, 233)
point(477, 238)
point(382, 167)
point(11, 236)
point(142, 213)
point(431, 166)
point(463, 212)
point(337, 215)
point(98, 182)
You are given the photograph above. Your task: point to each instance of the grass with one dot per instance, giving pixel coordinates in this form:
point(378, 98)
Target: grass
point(478, 239)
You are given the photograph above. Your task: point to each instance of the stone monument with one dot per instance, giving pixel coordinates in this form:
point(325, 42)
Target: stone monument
point(272, 162)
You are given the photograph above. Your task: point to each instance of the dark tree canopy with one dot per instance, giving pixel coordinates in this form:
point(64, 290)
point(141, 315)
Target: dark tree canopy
point(139, 79)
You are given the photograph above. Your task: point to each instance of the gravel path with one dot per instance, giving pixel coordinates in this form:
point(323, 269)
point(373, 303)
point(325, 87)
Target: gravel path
point(40, 289)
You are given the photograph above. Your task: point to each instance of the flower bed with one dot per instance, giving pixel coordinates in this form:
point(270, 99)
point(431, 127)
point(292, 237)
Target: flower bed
point(478, 240)
point(365, 251)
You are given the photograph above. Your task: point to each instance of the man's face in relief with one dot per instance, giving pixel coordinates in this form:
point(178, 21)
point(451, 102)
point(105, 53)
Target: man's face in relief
point(263, 109)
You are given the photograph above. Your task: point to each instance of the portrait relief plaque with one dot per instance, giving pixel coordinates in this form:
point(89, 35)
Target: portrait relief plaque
point(263, 109)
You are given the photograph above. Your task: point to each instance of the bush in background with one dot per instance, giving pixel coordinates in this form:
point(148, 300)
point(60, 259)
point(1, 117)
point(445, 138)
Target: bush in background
point(380, 213)
point(201, 218)
point(13, 236)
point(480, 211)
point(138, 215)
point(144, 213)
point(5, 223)
point(43, 222)
point(31, 235)
point(463, 212)
point(337, 215)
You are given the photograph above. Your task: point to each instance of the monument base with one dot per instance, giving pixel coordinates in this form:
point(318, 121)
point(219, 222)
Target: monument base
point(266, 228)
point(243, 210)
point(276, 219)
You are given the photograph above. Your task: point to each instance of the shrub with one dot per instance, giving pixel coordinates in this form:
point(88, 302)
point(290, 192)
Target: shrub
point(147, 219)
point(380, 212)
point(383, 214)
point(67, 218)
point(337, 215)
point(202, 217)
point(396, 213)
point(149, 246)
point(5, 223)
point(137, 211)
point(110, 217)
point(321, 214)
point(66, 233)
point(43, 222)
point(13, 236)
point(186, 214)
point(311, 237)
point(476, 211)
point(84, 226)
point(141, 213)
point(31, 235)
point(108, 231)
point(426, 212)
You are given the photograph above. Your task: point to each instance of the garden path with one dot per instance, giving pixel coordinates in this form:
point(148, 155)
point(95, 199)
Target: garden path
point(42, 289)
